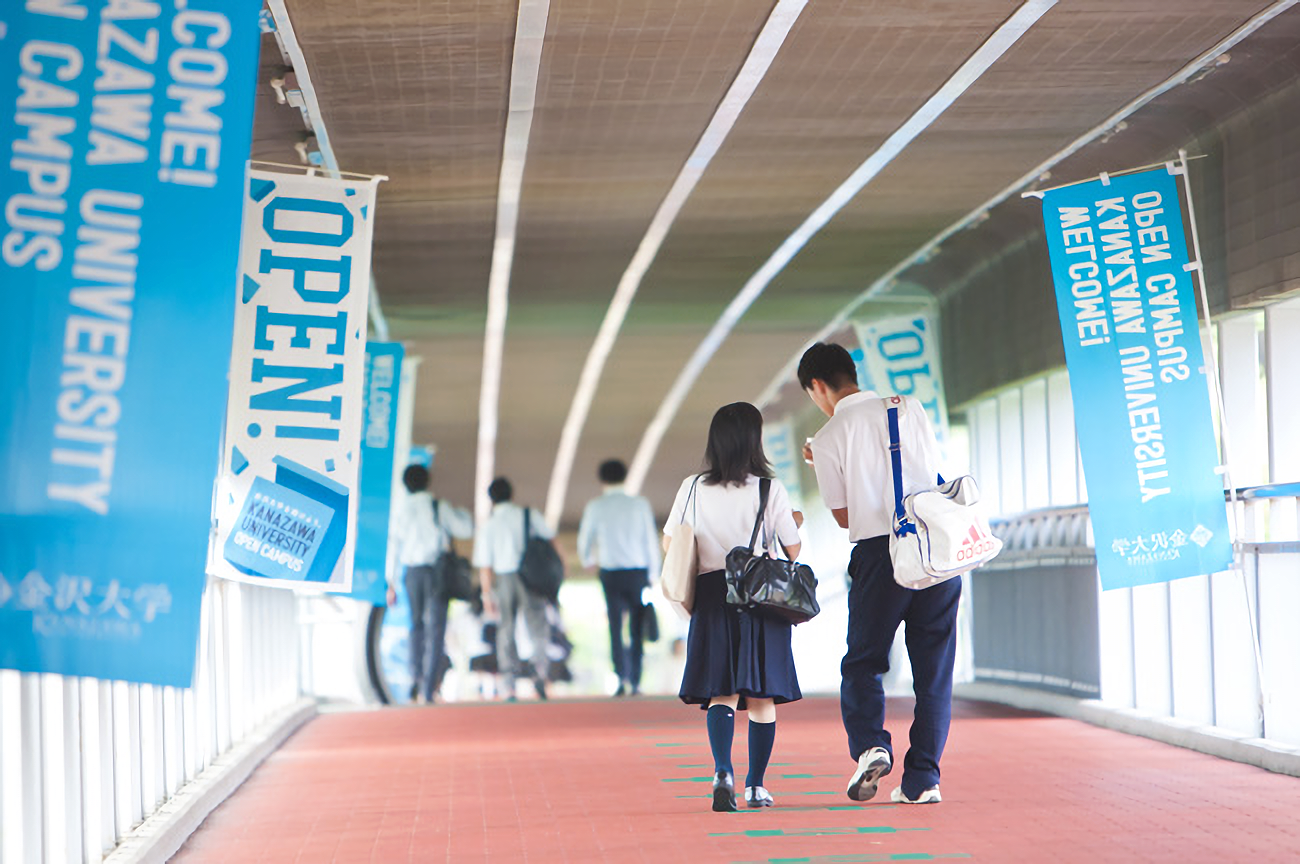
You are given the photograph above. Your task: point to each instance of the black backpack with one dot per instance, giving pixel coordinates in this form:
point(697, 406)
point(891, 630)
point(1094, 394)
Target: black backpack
point(541, 569)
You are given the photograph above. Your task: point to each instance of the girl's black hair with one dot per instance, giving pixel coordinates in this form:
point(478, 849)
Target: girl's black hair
point(735, 448)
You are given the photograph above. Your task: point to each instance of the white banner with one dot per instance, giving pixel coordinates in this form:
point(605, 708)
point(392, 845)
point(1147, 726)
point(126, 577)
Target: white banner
point(286, 506)
point(901, 360)
point(786, 456)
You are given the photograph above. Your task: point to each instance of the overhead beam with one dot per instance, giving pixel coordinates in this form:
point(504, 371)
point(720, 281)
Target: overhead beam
point(752, 71)
point(530, 33)
point(1106, 126)
point(967, 74)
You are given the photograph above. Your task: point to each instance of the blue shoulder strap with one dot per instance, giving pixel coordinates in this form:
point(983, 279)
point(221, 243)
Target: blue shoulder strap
point(896, 462)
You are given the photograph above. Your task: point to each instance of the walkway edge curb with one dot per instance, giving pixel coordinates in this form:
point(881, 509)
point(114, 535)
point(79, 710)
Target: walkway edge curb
point(1259, 752)
point(162, 834)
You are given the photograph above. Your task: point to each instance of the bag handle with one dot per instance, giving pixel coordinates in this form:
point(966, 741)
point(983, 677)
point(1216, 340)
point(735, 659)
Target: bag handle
point(764, 486)
point(690, 499)
point(528, 533)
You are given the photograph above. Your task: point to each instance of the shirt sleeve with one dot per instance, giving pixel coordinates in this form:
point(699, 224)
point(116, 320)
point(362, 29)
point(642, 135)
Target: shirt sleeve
point(587, 535)
point(675, 514)
point(458, 521)
point(828, 465)
point(780, 515)
point(483, 546)
point(401, 520)
point(537, 524)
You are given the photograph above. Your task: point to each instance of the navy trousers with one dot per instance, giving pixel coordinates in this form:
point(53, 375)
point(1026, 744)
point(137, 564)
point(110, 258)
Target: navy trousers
point(427, 594)
point(877, 605)
point(623, 597)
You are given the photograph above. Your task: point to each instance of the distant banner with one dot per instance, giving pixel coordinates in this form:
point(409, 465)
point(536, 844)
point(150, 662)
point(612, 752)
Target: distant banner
point(1141, 401)
point(378, 443)
point(786, 456)
point(125, 134)
point(899, 358)
point(286, 505)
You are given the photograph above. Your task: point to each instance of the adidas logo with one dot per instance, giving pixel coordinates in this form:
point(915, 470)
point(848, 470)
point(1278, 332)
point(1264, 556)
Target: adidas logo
point(975, 545)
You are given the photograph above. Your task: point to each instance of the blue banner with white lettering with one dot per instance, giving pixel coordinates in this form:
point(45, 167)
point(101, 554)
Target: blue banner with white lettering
point(378, 437)
point(1141, 399)
point(125, 133)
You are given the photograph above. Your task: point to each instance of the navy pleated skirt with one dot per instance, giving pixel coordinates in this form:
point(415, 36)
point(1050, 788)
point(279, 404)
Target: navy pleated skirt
point(730, 651)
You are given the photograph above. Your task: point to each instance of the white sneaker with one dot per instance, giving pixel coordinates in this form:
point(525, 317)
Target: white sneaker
point(929, 796)
point(872, 765)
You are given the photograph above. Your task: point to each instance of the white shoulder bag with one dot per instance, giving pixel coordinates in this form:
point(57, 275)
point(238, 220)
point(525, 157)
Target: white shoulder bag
point(682, 563)
point(940, 532)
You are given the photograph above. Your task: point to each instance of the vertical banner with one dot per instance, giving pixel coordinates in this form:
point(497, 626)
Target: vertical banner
point(122, 150)
point(286, 504)
point(900, 359)
point(785, 455)
point(378, 445)
point(1141, 400)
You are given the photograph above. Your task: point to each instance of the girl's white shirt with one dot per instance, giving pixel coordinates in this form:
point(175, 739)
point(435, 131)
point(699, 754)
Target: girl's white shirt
point(723, 518)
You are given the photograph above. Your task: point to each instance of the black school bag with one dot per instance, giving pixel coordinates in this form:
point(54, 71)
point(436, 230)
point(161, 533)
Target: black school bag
point(541, 569)
point(457, 574)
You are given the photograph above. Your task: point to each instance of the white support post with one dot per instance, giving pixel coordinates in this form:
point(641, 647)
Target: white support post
point(32, 786)
point(11, 767)
point(1225, 445)
point(1282, 335)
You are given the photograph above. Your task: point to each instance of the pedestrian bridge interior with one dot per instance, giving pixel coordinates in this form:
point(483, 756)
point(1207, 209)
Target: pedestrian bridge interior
point(604, 220)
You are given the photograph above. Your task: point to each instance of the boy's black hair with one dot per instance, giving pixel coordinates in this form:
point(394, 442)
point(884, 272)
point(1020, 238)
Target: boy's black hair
point(830, 363)
point(500, 490)
point(612, 472)
point(415, 478)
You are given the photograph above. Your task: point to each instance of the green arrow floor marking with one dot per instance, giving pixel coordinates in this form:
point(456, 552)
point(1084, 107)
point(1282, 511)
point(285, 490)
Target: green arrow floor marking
point(815, 832)
point(858, 859)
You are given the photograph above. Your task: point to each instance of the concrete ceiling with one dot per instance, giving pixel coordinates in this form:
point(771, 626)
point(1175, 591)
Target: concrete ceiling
point(418, 91)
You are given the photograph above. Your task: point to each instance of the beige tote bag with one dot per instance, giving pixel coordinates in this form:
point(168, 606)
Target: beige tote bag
point(682, 563)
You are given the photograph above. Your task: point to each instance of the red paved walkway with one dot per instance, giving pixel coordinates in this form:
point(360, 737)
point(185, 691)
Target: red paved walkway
point(628, 781)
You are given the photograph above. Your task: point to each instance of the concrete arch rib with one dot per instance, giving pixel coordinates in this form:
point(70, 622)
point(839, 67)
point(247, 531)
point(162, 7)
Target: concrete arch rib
point(1025, 16)
point(530, 34)
point(787, 372)
point(764, 50)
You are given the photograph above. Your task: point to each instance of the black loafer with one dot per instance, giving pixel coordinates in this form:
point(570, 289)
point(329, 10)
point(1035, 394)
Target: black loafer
point(724, 792)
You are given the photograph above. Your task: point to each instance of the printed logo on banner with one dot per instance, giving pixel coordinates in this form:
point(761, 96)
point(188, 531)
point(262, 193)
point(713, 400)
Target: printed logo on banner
point(122, 122)
point(287, 497)
point(1133, 350)
point(899, 359)
point(378, 443)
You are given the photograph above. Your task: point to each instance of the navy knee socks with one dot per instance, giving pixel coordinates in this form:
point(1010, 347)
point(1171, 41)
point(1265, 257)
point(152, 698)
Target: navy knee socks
point(721, 722)
point(761, 738)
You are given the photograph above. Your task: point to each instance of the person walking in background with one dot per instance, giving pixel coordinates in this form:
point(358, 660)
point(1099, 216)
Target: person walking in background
point(618, 534)
point(735, 659)
point(498, 552)
point(424, 528)
point(851, 455)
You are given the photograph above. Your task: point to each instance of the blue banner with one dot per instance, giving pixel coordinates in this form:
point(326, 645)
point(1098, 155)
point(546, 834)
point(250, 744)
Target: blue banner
point(378, 438)
point(125, 136)
point(1141, 400)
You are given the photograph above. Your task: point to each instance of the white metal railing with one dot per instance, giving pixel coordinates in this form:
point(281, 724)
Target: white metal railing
point(83, 761)
point(1219, 651)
